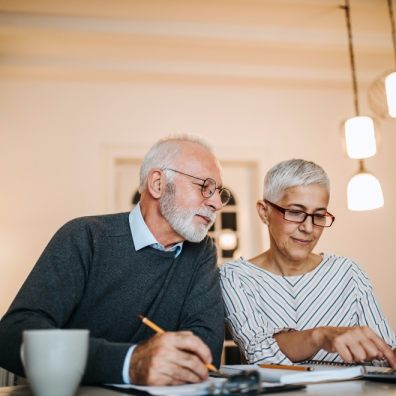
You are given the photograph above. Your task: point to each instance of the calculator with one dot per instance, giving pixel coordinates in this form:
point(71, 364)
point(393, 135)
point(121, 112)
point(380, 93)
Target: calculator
point(382, 374)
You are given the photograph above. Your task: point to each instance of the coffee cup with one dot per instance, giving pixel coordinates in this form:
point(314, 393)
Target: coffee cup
point(54, 360)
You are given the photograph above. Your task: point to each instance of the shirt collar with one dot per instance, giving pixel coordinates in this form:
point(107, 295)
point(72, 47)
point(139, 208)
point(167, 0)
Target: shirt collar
point(142, 236)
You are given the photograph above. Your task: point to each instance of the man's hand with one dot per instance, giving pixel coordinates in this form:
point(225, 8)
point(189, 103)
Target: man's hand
point(171, 358)
point(354, 344)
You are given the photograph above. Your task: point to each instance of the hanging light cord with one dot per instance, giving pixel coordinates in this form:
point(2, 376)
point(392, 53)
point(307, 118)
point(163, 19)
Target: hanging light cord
point(392, 21)
point(351, 56)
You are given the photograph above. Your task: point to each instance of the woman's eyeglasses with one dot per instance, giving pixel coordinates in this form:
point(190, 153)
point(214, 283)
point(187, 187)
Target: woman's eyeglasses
point(299, 216)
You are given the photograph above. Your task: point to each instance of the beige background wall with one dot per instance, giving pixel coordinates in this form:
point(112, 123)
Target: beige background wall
point(64, 114)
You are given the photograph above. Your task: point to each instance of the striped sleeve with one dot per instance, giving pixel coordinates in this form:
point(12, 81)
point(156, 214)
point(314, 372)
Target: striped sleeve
point(253, 334)
point(369, 312)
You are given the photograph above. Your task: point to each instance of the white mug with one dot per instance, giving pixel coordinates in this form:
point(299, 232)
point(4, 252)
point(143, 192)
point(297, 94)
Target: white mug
point(54, 360)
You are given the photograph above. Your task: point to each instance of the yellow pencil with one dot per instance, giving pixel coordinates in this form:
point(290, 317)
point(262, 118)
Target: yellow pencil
point(285, 367)
point(151, 324)
point(159, 330)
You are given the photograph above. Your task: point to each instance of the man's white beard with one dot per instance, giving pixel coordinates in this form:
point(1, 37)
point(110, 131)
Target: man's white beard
point(181, 219)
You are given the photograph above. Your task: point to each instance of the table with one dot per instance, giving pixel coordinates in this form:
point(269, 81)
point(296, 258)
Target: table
point(349, 388)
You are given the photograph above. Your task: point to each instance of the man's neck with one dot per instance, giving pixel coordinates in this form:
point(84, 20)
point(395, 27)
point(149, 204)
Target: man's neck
point(158, 225)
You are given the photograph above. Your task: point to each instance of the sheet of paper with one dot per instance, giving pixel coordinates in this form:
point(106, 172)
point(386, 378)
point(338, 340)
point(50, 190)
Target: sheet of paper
point(202, 388)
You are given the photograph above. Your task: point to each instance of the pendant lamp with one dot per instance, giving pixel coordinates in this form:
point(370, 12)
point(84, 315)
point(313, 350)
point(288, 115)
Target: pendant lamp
point(359, 130)
point(390, 79)
point(364, 190)
point(382, 91)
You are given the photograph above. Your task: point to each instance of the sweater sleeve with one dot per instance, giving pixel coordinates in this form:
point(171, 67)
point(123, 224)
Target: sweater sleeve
point(203, 311)
point(253, 334)
point(48, 298)
point(369, 312)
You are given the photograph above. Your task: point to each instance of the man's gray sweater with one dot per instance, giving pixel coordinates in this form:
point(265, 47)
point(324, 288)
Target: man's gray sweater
point(91, 277)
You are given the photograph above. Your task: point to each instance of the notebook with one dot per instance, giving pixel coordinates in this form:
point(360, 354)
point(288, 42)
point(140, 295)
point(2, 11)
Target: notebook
point(318, 374)
point(313, 363)
point(374, 371)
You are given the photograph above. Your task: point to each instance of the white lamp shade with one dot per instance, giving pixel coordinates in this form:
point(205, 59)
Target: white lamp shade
point(360, 137)
point(364, 192)
point(228, 240)
point(390, 90)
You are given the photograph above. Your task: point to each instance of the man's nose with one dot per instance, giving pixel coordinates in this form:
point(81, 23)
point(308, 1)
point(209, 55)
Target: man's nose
point(215, 201)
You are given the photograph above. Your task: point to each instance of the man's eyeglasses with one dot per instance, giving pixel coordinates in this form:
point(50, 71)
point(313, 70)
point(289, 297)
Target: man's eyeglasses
point(208, 187)
point(298, 216)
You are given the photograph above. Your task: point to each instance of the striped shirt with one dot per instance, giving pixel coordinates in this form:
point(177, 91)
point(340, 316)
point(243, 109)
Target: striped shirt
point(260, 304)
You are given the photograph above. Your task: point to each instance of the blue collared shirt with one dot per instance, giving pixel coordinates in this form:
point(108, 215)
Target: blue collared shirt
point(142, 237)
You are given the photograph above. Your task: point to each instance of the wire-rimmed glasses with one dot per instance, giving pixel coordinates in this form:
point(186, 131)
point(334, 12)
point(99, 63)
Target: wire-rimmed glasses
point(299, 216)
point(208, 187)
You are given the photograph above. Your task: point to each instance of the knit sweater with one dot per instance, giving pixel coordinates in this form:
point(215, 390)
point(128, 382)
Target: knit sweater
point(91, 277)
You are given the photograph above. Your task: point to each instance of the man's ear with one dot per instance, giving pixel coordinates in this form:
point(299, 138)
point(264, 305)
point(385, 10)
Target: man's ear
point(262, 210)
point(156, 183)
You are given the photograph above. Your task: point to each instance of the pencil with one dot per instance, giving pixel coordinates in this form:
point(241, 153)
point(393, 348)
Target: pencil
point(159, 330)
point(286, 367)
point(151, 324)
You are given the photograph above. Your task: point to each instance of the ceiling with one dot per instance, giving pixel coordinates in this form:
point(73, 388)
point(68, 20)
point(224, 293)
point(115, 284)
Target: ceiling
point(289, 41)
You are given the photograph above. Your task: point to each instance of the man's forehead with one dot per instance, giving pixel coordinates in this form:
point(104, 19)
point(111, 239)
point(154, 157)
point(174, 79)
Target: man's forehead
point(200, 162)
point(193, 148)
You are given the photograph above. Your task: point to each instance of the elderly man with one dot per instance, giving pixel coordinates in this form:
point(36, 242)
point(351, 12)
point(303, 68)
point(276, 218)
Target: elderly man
point(100, 273)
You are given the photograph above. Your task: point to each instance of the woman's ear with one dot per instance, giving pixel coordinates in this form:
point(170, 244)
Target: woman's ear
point(156, 183)
point(262, 210)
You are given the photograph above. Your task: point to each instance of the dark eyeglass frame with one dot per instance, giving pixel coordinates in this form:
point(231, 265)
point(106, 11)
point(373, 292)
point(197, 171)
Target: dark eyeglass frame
point(245, 383)
point(206, 191)
point(312, 215)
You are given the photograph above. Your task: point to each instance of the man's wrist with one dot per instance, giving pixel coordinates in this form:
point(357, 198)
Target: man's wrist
point(127, 365)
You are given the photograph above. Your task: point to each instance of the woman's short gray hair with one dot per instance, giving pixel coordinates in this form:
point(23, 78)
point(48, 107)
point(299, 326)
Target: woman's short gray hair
point(293, 173)
point(164, 154)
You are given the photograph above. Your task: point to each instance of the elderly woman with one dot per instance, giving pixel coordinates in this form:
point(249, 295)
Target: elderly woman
point(289, 304)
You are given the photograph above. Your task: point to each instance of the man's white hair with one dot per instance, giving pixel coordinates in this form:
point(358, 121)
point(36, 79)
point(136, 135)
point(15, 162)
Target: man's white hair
point(293, 173)
point(164, 154)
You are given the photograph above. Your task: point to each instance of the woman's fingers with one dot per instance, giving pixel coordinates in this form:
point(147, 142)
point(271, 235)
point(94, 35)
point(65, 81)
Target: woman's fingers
point(385, 352)
point(358, 344)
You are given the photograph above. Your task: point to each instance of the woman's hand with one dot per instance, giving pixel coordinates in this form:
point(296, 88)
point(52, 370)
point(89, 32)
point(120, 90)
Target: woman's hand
point(353, 344)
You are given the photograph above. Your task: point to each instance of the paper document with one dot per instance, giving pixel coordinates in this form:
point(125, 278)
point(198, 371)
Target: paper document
point(202, 388)
point(209, 387)
point(321, 374)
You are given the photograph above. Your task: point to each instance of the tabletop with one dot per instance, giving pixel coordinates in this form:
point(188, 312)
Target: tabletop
point(349, 388)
